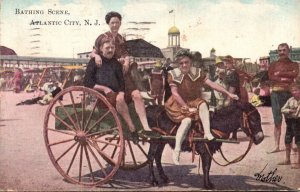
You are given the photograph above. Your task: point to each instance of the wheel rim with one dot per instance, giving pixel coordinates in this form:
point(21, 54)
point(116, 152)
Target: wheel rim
point(135, 155)
point(80, 132)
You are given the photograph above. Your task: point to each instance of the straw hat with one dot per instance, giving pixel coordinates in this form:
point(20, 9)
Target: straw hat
point(157, 64)
point(218, 60)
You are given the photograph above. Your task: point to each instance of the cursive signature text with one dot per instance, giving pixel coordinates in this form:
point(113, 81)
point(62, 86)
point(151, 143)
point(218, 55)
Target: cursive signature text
point(269, 177)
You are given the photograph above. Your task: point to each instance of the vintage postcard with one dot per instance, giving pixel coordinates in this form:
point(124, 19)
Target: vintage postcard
point(149, 95)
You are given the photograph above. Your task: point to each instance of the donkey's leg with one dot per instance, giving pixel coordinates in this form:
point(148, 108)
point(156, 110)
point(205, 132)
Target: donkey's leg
point(234, 135)
point(159, 167)
point(151, 155)
point(206, 163)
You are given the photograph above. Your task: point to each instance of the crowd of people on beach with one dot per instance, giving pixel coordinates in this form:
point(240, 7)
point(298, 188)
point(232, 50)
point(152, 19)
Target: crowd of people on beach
point(180, 89)
point(182, 86)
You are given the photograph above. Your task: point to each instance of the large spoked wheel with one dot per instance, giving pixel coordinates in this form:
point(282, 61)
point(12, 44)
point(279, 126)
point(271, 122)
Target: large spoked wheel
point(83, 136)
point(135, 155)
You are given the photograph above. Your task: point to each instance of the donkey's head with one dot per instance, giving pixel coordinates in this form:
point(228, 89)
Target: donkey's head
point(251, 122)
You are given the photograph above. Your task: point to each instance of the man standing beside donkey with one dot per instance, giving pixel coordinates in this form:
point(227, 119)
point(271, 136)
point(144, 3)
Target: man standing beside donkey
point(282, 74)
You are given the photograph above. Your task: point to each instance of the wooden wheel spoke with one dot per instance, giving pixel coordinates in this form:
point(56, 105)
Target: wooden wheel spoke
point(74, 108)
point(100, 119)
point(100, 133)
point(86, 144)
point(66, 152)
point(91, 114)
point(83, 110)
point(106, 142)
point(131, 152)
point(102, 154)
point(115, 149)
point(67, 125)
point(110, 139)
point(123, 158)
point(89, 163)
point(71, 163)
point(67, 114)
point(97, 160)
point(142, 150)
point(80, 162)
point(59, 142)
point(61, 131)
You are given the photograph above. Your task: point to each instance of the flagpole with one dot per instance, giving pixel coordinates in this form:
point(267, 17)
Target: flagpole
point(174, 18)
point(173, 12)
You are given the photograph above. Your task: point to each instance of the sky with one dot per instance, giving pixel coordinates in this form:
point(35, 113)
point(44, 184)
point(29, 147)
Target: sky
point(241, 28)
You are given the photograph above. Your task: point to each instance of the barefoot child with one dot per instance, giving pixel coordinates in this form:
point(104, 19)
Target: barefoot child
point(291, 111)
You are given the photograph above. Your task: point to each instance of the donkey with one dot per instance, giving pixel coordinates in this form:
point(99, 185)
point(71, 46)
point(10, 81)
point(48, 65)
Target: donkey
point(225, 121)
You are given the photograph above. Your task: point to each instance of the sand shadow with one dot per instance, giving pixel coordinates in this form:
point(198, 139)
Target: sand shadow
point(184, 178)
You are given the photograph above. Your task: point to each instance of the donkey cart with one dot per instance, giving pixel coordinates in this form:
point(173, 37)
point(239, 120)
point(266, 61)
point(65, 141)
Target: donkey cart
point(86, 139)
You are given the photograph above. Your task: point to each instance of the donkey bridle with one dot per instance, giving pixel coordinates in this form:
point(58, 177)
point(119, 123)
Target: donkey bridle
point(245, 123)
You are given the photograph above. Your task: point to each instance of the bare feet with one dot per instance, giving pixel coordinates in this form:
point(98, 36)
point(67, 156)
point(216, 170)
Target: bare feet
point(286, 162)
point(148, 129)
point(296, 166)
point(209, 137)
point(274, 151)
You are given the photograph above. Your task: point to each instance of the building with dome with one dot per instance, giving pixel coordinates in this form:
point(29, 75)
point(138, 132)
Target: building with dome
point(173, 43)
point(174, 37)
point(6, 51)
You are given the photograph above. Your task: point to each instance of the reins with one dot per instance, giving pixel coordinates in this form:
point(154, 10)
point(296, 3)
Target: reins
point(245, 122)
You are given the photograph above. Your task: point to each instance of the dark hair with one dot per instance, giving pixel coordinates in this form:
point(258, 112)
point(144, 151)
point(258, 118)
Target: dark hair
point(183, 53)
point(197, 55)
point(111, 15)
point(228, 58)
point(284, 44)
point(106, 39)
